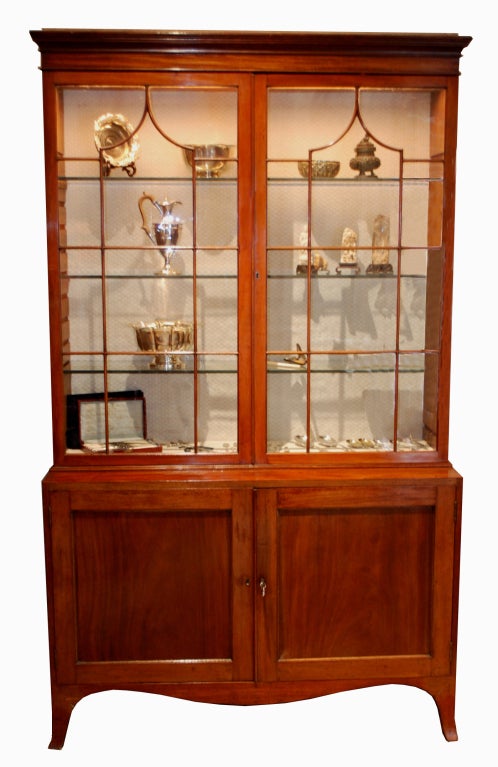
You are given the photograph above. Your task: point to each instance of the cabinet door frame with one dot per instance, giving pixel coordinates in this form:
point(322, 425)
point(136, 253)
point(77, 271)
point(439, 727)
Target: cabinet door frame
point(240, 83)
point(439, 383)
point(62, 506)
point(438, 661)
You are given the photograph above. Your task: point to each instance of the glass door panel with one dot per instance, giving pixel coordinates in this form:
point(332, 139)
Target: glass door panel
point(149, 254)
point(354, 266)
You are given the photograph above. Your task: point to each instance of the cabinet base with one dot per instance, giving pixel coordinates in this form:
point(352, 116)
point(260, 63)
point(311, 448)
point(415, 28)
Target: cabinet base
point(65, 698)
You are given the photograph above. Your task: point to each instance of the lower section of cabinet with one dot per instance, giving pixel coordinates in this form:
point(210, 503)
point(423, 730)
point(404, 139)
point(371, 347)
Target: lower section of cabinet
point(263, 588)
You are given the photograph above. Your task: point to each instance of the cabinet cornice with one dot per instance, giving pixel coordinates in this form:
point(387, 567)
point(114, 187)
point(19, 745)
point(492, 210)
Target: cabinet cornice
point(249, 51)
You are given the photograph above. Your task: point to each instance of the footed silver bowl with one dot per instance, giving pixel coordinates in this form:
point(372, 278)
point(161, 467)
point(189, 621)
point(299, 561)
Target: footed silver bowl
point(168, 340)
point(209, 159)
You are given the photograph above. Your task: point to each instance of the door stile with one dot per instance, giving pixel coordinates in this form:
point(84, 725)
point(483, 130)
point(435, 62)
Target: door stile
point(242, 586)
point(442, 607)
point(266, 585)
point(63, 566)
point(260, 267)
point(245, 267)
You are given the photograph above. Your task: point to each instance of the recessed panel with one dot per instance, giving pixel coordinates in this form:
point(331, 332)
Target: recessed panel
point(355, 583)
point(153, 586)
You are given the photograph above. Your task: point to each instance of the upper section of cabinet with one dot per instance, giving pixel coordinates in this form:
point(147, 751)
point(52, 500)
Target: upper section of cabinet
point(250, 244)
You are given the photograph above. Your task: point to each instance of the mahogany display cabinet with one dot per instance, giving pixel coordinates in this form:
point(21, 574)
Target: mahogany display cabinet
point(250, 248)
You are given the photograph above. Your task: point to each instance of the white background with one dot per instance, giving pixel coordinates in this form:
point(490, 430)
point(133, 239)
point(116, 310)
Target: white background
point(388, 726)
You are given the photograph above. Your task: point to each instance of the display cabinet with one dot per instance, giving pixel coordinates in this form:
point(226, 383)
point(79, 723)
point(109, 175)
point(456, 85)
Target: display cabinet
point(250, 246)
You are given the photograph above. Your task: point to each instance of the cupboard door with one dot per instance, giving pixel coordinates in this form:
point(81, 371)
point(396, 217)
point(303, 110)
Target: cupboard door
point(355, 573)
point(152, 585)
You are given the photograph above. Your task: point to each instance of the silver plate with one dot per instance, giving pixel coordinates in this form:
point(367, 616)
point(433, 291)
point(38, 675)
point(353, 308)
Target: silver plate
point(113, 137)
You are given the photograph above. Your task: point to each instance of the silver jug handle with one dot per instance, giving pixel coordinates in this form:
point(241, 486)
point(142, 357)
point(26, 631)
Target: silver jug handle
point(141, 202)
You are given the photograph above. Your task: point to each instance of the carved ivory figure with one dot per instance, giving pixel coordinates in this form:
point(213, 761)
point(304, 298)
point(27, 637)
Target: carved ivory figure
point(318, 262)
point(380, 245)
point(349, 260)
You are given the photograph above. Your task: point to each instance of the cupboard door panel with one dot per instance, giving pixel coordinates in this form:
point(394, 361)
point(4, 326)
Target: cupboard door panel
point(153, 587)
point(150, 584)
point(355, 583)
point(368, 583)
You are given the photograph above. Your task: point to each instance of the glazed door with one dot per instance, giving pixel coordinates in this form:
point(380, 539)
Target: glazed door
point(352, 179)
point(355, 573)
point(152, 585)
point(151, 267)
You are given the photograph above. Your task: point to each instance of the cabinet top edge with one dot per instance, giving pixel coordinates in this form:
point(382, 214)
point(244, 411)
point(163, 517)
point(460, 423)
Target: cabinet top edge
point(190, 41)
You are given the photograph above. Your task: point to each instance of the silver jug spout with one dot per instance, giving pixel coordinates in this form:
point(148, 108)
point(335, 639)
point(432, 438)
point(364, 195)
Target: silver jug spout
point(165, 208)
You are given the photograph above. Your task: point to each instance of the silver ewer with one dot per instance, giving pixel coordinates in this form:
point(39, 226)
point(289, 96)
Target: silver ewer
point(163, 233)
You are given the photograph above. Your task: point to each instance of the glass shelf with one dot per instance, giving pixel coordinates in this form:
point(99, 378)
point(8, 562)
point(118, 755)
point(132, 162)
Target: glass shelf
point(277, 180)
point(301, 277)
point(149, 179)
point(355, 181)
point(149, 371)
point(272, 369)
point(334, 276)
point(343, 371)
point(109, 276)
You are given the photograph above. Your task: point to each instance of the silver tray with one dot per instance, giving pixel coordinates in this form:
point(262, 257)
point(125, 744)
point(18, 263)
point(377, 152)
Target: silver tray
point(115, 140)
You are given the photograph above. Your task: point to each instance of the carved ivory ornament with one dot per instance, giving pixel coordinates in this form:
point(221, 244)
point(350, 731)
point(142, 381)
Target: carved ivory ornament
point(318, 262)
point(348, 263)
point(380, 245)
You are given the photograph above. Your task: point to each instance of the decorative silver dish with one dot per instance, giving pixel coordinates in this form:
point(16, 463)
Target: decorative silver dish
point(209, 159)
point(319, 168)
point(115, 140)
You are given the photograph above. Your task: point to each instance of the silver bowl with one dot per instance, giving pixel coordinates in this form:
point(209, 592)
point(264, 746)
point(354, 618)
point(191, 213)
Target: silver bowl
point(168, 340)
point(209, 159)
point(319, 168)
